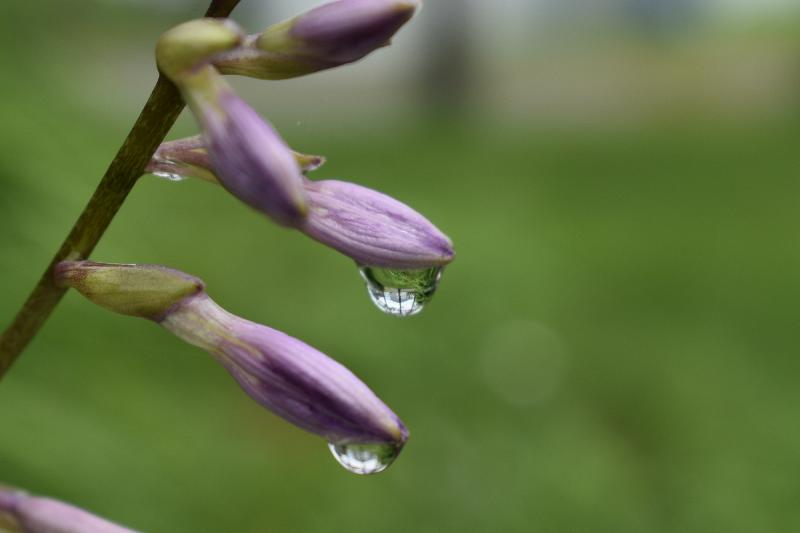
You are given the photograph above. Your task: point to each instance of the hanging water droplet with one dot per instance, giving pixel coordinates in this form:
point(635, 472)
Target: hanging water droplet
point(365, 459)
point(169, 176)
point(401, 292)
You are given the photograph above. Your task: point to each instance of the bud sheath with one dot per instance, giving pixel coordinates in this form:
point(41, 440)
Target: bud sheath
point(146, 291)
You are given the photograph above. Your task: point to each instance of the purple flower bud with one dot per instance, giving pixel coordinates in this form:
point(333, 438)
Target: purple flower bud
point(287, 376)
point(247, 155)
point(283, 374)
point(327, 36)
point(34, 514)
point(368, 226)
point(373, 228)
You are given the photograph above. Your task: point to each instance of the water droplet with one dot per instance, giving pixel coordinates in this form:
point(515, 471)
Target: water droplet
point(169, 176)
point(401, 292)
point(163, 167)
point(365, 459)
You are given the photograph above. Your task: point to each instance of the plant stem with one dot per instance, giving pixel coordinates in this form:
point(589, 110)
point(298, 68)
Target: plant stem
point(154, 122)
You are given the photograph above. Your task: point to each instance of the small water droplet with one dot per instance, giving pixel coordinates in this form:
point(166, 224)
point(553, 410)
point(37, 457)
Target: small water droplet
point(169, 176)
point(401, 292)
point(163, 167)
point(365, 459)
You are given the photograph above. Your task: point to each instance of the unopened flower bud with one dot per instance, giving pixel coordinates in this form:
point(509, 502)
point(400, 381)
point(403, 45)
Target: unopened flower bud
point(287, 376)
point(366, 225)
point(283, 374)
point(327, 36)
point(33, 514)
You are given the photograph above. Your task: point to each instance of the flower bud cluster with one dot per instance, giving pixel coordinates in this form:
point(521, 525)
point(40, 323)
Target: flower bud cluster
point(400, 253)
point(242, 152)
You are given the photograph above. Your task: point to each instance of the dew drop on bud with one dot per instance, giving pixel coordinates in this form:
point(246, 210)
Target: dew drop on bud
point(401, 292)
point(169, 176)
point(365, 459)
point(163, 171)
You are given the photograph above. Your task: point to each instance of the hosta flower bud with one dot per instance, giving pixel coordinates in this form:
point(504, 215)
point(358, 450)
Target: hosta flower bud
point(188, 158)
point(373, 228)
point(287, 376)
point(283, 374)
point(247, 154)
point(33, 514)
point(327, 36)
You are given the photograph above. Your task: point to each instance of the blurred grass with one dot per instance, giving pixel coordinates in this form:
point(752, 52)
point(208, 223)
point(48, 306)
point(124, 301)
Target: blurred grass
point(614, 348)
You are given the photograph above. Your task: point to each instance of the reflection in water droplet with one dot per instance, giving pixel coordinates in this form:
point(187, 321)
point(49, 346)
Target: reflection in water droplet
point(401, 292)
point(169, 176)
point(365, 459)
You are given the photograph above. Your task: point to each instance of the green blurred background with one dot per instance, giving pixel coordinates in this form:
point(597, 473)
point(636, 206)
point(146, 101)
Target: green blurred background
point(614, 349)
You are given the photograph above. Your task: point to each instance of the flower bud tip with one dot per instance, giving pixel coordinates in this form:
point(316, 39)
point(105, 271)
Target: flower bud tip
point(186, 45)
point(373, 228)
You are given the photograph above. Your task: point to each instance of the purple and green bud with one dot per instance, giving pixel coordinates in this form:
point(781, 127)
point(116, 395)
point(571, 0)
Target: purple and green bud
point(20, 511)
point(248, 156)
point(327, 36)
point(283, 374)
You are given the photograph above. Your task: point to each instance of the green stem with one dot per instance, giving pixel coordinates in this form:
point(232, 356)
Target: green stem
point(154, 122)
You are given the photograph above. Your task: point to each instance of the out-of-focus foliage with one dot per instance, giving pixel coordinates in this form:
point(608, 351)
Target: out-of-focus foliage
point(614, 348)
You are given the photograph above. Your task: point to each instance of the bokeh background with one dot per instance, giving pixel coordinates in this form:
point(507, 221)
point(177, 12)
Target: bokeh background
point(614, 349)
